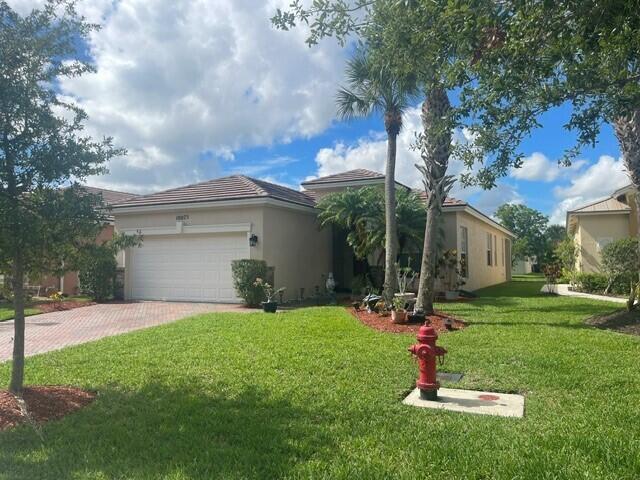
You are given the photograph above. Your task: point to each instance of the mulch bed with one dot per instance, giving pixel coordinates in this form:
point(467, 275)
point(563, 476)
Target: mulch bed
point(62, 306)
point(620, 321)
point(43, 404)
point(384, 324)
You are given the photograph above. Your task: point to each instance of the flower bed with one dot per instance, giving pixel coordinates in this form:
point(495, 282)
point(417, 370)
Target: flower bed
point(384, 324)
point(62, 306)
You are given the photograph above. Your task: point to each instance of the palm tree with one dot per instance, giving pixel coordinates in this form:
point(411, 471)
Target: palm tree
point(376, 89)
point(359, 214)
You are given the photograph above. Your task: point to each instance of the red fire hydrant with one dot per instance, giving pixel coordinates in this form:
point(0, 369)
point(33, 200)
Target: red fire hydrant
point(427, 353)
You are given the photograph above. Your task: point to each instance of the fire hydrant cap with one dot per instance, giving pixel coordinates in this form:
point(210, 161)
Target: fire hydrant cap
point(427, 331)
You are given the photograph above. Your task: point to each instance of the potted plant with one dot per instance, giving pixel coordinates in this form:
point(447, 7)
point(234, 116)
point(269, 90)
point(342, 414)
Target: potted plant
point(405, 277)
point(269, 305)
point(399, 313)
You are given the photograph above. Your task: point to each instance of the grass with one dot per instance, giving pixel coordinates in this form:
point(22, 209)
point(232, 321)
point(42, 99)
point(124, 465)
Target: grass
point(7, 312)
point(313, 393)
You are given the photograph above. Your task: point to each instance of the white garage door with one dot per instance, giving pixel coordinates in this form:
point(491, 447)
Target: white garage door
point(186, 267)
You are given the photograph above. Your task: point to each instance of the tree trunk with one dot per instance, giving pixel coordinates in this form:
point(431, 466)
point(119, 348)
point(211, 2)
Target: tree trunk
point(435, 151)
point(627, 128)
point(17, 368)
point(426, 286)
point(391, 230)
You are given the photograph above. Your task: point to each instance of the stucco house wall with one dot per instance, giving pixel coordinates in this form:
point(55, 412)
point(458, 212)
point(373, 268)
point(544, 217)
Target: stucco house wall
point(480, 273)
point(300, 252)
point(594, 230)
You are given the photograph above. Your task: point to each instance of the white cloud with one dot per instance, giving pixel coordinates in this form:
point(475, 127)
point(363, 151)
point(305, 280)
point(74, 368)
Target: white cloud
point(183, 85)
point(536, 167)
point(598, 181)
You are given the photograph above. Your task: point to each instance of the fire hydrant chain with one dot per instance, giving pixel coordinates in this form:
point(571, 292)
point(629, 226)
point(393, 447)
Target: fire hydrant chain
point(426, 352)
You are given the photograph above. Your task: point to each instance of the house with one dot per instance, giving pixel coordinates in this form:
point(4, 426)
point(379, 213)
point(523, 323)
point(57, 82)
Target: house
point(69, 283)
point(597, 224)
point(192, 233)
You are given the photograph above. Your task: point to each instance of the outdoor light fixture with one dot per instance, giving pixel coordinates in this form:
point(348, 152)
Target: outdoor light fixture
point(253, 240)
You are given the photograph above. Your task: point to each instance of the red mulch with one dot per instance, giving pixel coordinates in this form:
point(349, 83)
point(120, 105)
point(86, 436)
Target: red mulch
point(61, 306)
point(43, 404)
point(384, 324)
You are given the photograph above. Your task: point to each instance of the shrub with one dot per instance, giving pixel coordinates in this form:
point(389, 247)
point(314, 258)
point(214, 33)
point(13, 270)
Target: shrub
point(98, 266)
point(591, 282)
point(245, 273)
point(620, 264)
point(98, 272)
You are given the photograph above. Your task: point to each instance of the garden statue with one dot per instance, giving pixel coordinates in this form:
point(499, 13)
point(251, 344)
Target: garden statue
point(331, 288)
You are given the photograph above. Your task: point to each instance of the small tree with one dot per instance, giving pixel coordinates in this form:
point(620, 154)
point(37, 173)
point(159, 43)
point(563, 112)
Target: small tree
point(620, 264)
point(98, 266)
point(566, 253)
point(529, 226)
point(42, 149)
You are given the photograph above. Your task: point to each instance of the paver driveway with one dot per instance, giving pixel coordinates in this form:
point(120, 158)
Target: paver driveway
point(51, 331)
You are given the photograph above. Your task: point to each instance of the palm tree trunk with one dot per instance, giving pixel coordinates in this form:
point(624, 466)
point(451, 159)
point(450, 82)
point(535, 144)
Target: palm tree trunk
point(435, 152)
point(391, 230)
point(627, 129)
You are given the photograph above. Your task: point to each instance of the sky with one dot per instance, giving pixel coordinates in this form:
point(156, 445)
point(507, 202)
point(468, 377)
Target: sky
point(198, 89)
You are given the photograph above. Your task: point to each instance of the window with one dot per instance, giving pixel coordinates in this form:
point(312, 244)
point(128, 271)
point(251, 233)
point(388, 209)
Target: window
point(504, 249)
point(489, 249)
point(464, 252)
point(495, 251)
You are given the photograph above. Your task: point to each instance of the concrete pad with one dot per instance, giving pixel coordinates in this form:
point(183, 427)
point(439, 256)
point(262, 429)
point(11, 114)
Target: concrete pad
point(471, 401)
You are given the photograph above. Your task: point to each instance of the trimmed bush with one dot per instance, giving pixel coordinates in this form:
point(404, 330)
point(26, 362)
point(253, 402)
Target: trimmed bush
point(598, 283)
point(245, 272)
point(98, 272)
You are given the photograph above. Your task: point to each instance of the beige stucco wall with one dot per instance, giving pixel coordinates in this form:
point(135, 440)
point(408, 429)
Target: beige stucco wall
point(592, 228)
point(300, 252)
point(480, 274)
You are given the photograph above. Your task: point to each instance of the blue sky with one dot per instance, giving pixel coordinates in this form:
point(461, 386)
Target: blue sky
point(196, 90)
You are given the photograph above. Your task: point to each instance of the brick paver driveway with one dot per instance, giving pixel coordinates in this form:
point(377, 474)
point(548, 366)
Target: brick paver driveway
point(51, 331)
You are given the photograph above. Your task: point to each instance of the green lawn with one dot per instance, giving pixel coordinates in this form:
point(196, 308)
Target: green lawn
point(7, 313)
point(314, 394)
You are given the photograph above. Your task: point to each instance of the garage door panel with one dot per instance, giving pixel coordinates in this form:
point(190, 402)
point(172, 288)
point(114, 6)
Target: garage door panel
point(195, 268)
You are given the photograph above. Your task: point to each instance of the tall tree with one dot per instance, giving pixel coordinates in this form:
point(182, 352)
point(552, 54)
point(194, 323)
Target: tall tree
point(581, 53)
point(529, 226)
point(376, 89)
point(41, 149)
point(439, 42)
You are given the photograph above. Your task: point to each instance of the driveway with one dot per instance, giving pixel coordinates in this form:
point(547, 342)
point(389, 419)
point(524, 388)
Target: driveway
point(52, 331)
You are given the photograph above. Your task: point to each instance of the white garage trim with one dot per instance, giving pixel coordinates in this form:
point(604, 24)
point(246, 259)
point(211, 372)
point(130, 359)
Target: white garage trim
point(181, 228)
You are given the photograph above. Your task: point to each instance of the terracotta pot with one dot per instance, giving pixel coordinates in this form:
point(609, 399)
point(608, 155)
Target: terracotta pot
point(398, 316)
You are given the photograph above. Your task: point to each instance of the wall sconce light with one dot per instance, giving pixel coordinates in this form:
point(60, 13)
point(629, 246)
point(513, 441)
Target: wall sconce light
point(253, 240)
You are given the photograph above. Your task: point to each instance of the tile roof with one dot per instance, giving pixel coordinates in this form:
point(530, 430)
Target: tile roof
point(606, 205)
point(234, 187)
point(448, 202)
point(109, 196)
point(356, 175)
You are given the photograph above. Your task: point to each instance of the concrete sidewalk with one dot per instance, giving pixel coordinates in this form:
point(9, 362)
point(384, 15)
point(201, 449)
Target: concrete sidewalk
point(563, 289)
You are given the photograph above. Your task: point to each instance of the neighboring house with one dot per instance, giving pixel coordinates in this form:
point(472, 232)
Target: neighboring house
point(594, 226)
point(69, 283)
point(523, 266)
point(192, 233)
